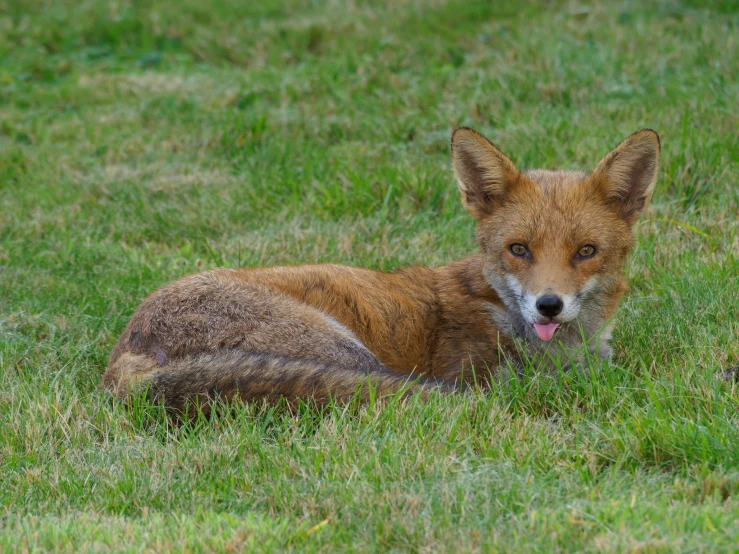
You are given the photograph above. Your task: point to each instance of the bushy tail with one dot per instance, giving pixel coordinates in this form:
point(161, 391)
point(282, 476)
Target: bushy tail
point(196, 380)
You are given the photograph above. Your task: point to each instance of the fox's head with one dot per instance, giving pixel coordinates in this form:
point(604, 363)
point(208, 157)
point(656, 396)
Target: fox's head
point(554, 243)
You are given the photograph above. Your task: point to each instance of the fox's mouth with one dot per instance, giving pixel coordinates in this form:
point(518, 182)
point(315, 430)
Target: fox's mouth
point(545, 331)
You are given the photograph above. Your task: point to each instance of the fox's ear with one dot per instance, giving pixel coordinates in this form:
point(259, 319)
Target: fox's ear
point(625, 178)
point(483, 172)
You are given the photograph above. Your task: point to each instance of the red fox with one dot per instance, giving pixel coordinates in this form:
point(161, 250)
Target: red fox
point(548, 278)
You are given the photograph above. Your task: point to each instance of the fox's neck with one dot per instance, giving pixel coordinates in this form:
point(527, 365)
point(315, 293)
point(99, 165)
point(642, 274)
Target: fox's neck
point(503, 312)
point(464, 290)
point(464, 281)
point(466, 334)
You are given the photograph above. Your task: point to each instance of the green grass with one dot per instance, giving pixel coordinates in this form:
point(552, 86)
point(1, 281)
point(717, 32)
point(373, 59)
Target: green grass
point(142, 141)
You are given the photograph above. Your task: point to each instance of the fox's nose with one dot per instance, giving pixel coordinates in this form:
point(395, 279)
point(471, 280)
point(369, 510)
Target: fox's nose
point(549, 305)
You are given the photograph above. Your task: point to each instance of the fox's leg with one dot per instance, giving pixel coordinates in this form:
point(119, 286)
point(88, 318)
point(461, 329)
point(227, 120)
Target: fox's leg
point(210, 335)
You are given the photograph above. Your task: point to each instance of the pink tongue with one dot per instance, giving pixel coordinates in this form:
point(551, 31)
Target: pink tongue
point(546, 332)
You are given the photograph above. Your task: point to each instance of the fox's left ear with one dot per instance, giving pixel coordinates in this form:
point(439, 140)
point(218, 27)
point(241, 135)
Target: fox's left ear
point(626, 177)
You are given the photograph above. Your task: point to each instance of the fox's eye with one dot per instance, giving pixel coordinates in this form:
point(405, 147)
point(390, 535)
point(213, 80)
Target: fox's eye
point(587, 251)
point(519, 250)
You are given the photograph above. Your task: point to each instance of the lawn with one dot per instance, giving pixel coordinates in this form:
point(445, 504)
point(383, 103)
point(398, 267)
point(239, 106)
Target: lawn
point(143, 141)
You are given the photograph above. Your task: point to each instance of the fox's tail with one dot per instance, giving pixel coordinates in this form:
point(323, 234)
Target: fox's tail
point(196, 380)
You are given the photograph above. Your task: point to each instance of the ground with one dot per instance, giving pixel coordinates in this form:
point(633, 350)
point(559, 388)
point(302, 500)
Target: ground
point(142, 141)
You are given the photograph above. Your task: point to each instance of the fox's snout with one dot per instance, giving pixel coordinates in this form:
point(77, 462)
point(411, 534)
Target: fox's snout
point(549, 305)
point(548, 311)
point(543, 307)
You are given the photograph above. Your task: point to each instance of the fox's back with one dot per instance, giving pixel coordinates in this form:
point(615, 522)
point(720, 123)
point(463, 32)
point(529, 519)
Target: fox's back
point(393, 314)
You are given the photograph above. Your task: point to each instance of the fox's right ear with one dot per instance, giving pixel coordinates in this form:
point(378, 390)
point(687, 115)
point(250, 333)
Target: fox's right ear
point(483, 172)
point(625, 178)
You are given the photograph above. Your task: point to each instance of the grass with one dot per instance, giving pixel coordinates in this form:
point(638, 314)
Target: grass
point(142, 141)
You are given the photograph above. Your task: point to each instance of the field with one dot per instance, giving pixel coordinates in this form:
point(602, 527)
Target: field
point(143, 141)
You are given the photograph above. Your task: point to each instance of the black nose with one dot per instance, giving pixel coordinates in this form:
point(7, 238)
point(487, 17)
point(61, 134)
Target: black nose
point(549, 305)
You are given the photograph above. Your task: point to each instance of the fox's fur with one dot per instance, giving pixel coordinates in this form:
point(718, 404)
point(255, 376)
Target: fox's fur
point(322, 331)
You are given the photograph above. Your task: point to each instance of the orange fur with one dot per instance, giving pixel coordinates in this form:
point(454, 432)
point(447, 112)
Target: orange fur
point(320, 331)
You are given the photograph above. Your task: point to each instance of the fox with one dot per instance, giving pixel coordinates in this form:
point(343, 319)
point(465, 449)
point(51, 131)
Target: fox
point(545, 284)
